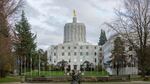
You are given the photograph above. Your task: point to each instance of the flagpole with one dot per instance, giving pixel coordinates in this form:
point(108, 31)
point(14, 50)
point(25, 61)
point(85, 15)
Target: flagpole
point(21, 65)
point(39, 65)
point(25, 66)
point(31, 65)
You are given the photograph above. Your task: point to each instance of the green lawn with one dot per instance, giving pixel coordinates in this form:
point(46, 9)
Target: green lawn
point(95, 73)
point(45, 73)
point(61, 73)
point(9, 79)
point(48, 74)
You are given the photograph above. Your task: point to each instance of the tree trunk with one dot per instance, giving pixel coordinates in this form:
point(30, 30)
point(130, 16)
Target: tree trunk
point(2, 74)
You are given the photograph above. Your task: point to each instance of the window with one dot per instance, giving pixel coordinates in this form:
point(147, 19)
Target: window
point(100, 49)
point(55, 47)
point(87, 47)
point(63, 54)
point(80, 47)
point(69, 54)
point(75, 67)
point(69, 47)
point(95, 60)
point(69, 60)
point(54, 54)
point(80, 53)
point(75, 47)
point(87, 53)
point(95, 47)
point(75, 53)
point(95, 53)
point(62, 47)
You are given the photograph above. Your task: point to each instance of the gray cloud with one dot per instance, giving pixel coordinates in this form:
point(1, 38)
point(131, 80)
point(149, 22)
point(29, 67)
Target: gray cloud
point(48, 18)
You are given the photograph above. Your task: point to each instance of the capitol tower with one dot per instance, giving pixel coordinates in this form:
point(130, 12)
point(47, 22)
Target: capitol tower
point(74, 32)
point(75, 51)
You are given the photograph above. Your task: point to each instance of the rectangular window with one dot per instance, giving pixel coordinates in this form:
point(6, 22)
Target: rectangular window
point(62, 47)
point(95, 60)
point(75, 47)
point(80, 53)
point(87, 47)
point(75, 67)
point(80, 47)
point(95, 53)
point(54, 54)
point(75, 53)
point(69, 54)
point(63, 54)
point(68, 47)
point(87, 53)
point(55, 47)
point(95, 47)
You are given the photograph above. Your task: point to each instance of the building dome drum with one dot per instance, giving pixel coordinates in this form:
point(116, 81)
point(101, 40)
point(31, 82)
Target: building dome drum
point(74, 32)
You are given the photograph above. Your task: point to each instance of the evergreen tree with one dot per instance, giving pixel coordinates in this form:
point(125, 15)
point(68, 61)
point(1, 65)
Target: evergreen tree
point(102, 38)
point(25, 47)
point(118, 55)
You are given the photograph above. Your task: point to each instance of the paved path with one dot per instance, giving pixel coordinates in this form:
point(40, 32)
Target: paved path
point(133, 82)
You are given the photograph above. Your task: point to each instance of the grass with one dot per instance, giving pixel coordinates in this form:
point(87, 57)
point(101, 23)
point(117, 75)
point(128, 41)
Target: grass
point(45, 73)
point(48, 74)
point(95, 73)
point(9, 79)
point(61, 73)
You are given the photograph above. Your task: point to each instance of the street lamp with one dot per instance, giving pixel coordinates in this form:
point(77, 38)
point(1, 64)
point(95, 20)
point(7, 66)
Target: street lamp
point(81, 63)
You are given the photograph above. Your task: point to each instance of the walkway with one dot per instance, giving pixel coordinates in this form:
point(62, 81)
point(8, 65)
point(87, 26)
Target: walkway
point(133, 82)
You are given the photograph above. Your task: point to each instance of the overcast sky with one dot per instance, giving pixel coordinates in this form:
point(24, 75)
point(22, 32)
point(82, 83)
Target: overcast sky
point(48, 17)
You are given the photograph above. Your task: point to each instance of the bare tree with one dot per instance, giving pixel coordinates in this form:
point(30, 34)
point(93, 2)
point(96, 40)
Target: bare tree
point(133, 23)
point(8, 8)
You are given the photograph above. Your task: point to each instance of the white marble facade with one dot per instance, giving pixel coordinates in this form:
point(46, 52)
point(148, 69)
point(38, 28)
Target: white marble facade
point(75, 50)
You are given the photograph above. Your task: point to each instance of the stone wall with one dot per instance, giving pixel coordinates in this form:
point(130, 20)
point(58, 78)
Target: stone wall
point(83, 79)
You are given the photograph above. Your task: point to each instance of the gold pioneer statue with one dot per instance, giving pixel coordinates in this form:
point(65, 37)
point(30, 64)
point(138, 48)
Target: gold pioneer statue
point(74, 13)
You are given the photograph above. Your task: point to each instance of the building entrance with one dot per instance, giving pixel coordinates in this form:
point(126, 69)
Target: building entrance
point(75, 67)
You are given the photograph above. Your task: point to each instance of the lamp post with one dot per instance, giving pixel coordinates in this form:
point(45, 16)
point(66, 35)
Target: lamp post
point(25, 65)
point(21, 62)
point(81, 63)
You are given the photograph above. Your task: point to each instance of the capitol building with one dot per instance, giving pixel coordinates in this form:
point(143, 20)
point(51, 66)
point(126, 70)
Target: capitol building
point(74, 50)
